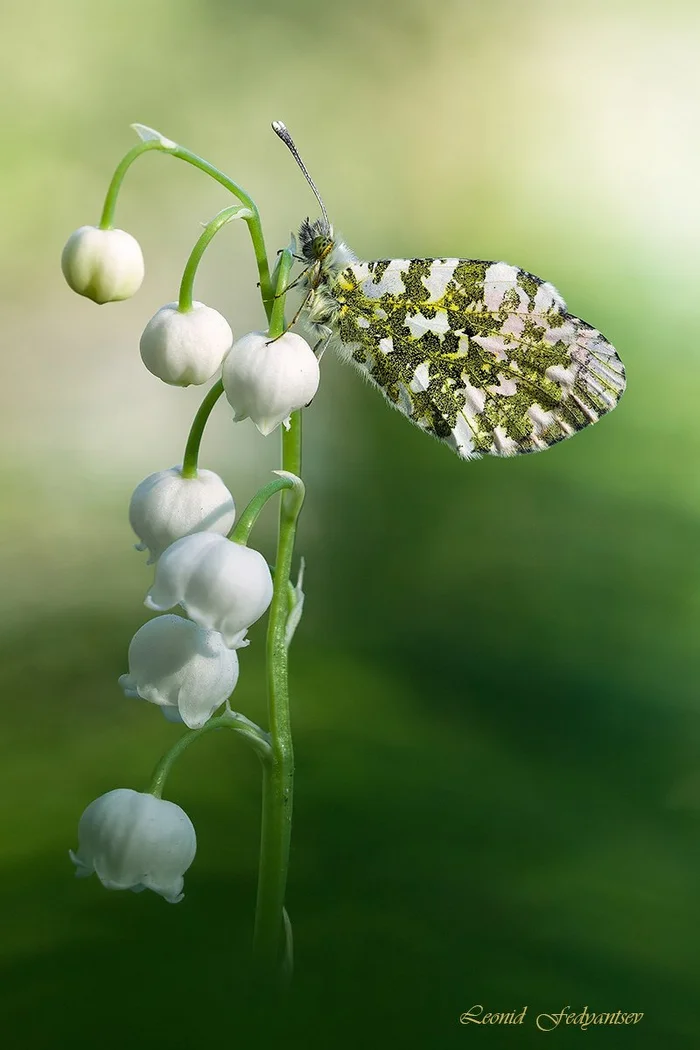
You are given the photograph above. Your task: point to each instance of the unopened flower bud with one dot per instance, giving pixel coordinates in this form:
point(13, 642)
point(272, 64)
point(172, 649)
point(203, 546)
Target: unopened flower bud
point(268, 380)
point(181, 667)
point(185, 348)
point(104, 265)
point(165, 507)
point(135, 841)
point(221, 585)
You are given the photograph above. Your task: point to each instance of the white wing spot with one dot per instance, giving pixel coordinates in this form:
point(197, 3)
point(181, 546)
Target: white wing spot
point(540, 419)
point(605, 372)
point(500, 278)
point(563, 334)
point(564, 376)
point(514, 324)
point(548, 298)
point(441, 273)
point(506, 446)
point(421, 378)
point(474, 398)
point(496, 344)
point(418, 325)
point(588, 412)
point(386, 345)
point(404, 403)
point(463, 437)
point(506, 387)
point(360, 271)
point(597, 386)
point(390, 283)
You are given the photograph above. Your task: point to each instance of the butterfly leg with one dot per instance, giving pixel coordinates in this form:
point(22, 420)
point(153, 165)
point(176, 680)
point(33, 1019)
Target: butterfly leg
point(294, 283)
point(293, 320)
point(325, 340)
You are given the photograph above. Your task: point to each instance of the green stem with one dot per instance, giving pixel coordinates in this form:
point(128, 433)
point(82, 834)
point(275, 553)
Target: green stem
point(243, 528)
point(278, 775)
point(189, 462)
point(282, 270)
point(230, 720)
point(211, 228)
point(253, 222)
point(107, 219)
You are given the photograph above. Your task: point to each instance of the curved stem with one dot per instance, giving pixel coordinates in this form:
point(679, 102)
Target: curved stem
point(230, 720)
point(110, 204)
point(189, 462)
point(242, 529)
point(253, 222)
point(211, 228)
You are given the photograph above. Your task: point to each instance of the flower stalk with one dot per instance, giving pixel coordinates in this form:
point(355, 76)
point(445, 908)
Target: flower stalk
point(212, 227)
point(251, 732)
point(189, 462)
point(269, 943)
point(244, 526)
point(152, 140)
point(222, 585)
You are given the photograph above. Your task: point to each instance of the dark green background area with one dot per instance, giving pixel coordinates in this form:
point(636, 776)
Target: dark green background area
point(494, 684)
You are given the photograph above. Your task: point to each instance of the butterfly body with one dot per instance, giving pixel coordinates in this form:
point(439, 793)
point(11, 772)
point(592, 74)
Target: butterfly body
point(482, 355)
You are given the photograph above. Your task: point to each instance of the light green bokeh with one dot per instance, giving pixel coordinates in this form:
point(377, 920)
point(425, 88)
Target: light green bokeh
point(496, 680)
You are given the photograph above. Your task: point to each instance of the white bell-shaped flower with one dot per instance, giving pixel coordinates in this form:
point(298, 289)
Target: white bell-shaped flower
point(268, 380)
point(104, 265)
point(221, 585)
point(181, 667)
point(185, 348)
point(135, 841)
point(165, 507)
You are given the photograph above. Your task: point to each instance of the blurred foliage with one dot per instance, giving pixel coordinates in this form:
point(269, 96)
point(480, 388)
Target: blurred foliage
point(494, 684)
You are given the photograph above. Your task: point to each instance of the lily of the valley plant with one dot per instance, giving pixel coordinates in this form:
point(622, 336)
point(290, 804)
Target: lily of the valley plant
point(209, 585)
point(484, 356)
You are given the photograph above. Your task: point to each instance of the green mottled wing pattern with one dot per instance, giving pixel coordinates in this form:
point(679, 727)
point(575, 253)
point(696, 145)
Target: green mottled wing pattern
point(481, 355)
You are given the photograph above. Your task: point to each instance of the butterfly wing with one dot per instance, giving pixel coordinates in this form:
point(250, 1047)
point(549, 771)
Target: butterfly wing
point(481, 355)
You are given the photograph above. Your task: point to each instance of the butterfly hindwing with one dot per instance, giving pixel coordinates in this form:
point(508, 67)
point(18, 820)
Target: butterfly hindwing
point(482, 355)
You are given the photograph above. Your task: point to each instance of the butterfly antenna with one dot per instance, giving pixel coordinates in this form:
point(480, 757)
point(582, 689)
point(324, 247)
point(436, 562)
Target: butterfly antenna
point(279, 129)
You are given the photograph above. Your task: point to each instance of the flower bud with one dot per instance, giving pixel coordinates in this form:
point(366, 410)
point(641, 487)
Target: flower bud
point(104, 265)
point(221, 585)
point(181, 667)
point(135, 841)
point(267, 381)
point(187, 348)
point(165, 507)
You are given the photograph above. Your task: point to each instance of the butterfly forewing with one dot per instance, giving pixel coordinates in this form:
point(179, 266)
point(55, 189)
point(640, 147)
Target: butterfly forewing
point(482, 355)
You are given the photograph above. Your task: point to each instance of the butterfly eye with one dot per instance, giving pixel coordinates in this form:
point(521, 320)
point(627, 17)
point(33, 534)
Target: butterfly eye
point(321, 247)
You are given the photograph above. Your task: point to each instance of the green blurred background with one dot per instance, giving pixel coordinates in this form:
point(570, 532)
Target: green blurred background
point(495, 683)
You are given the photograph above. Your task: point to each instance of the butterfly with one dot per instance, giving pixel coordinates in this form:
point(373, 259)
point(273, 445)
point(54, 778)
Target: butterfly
point(481, 355)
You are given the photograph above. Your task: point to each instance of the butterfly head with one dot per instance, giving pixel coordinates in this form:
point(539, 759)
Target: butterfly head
point(316, 240)
point(323, 254)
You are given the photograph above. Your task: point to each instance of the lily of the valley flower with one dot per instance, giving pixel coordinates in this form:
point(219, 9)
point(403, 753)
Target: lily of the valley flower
point(135, 841)
point(165, 507)
point(268, 380)
point(181, 667)
point(104, 265)
point(187, 347)
point(221, 585)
